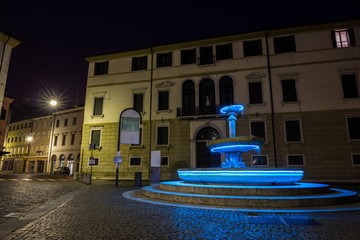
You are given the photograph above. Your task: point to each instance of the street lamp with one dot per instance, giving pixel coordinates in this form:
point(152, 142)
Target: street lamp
point(53, 104)
point(29, 139)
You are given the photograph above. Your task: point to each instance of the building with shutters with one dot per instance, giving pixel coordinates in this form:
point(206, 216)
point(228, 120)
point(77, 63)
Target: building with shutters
point(299, 87)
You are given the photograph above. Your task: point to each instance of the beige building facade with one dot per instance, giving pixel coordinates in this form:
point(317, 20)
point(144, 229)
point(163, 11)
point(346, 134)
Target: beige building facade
point(299, 87)
point(7, 44)
point(41, 144)
point(66, 139)
point(18, 146)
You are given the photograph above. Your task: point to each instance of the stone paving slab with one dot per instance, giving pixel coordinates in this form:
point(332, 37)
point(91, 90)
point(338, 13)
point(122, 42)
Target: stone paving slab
point(101, 212)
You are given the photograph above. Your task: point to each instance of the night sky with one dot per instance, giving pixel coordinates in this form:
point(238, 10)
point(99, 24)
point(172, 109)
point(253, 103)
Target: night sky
point(57, 35)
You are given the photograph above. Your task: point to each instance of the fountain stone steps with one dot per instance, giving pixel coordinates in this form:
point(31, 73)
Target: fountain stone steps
point(336, 197)
point(244, 190)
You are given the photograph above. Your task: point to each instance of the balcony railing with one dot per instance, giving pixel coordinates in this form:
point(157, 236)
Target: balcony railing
point(198, 111)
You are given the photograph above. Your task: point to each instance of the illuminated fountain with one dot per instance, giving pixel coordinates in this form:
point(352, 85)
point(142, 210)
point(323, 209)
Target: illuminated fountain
point(233, 169)
point(234, 185)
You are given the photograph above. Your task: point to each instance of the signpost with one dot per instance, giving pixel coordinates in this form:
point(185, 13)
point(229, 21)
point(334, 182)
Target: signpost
point(129, 133)
point(92, 160)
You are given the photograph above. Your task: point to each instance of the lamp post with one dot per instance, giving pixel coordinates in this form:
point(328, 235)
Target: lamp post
point(53, 103)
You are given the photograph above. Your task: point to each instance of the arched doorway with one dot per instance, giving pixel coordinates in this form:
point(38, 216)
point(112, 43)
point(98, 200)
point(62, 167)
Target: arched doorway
point(53, 162)
point(70, 163)
point(205, 158)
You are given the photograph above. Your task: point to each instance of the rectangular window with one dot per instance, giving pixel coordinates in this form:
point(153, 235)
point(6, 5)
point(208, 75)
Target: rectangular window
point(101, 68)
point(98, 106)
point(138, 102)
point(95, 137)
point(139, 63)
point(284, 44)
point(164, 161)
point(72, 139)
point(289, 90)
point(63, 140)
point(57, 123)
point(355, 159)
point(349, 86)
point(259, 160)
point(65, 122)
point(163, 100)
point(162, 135)
point(74, 120)
point(96, 162)
point(164, 59)
point(293, 131)
point(258, 129)
point(353, 124)
point(255, 92)
point(188, 56)
point(135, 161)
point(25, 125)
point(224, 52)
point(343, 38)
point(252, 48)
point(206, 55)
point(3, 113)
point(295, 160)
point(55, 140)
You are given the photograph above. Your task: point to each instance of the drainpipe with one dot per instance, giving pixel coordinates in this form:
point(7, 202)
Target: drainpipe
point(150, 115)
point(271, 95)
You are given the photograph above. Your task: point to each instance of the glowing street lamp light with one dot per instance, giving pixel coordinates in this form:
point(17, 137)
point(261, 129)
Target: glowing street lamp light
point(53, 102)
point(29, 139)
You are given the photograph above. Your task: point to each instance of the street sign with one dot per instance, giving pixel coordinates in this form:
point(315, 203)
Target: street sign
point(118, 159)
point(92, 161)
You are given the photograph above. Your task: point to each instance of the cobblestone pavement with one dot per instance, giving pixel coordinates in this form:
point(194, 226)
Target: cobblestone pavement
point(20, 193)
point(100, 212)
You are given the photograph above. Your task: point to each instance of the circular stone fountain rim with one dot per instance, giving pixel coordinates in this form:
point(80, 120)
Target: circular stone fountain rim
point(232, 109)
point(242, 176)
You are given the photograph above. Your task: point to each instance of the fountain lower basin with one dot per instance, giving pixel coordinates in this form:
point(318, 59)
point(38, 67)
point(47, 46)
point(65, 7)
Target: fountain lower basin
point(241, 176)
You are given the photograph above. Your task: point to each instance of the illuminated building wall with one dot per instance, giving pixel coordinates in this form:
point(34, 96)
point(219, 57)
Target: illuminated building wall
point(299, 87)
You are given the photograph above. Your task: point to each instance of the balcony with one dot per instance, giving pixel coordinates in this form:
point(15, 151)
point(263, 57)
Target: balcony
point(198, 112)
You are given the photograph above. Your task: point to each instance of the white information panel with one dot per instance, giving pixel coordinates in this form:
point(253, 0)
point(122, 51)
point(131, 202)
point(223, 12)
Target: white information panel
point(130, 127)
point(155, 158)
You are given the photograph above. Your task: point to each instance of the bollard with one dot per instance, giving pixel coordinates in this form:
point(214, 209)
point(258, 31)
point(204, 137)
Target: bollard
point(138, 176)
point(89, 179)
point(84, 178)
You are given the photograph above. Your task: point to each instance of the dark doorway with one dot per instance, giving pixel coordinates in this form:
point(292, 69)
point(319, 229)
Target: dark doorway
point(40, 166)
point(205, 158)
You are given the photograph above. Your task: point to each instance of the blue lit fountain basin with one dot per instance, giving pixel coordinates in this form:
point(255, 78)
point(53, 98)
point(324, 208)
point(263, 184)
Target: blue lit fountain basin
point(241, 176)
point(235, 144)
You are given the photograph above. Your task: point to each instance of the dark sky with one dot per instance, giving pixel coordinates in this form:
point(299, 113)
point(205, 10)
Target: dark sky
point(56, 35)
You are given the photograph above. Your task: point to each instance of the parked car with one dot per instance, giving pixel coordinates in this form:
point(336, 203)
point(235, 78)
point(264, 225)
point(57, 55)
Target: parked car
point(62, 170)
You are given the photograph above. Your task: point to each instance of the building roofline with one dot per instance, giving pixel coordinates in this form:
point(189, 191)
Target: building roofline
point(12, 41)
point(227, 38)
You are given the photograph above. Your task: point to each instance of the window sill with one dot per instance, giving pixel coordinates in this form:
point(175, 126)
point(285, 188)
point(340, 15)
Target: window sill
point(250, 105)
point(136, 147)
point(97, 116)
point(290, 103)
point(164, 146)
point(350, 99)
point(294, 142)
point(164, 111)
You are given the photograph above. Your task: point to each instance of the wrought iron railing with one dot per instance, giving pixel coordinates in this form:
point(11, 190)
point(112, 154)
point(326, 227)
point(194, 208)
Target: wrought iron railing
point(198, 111)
